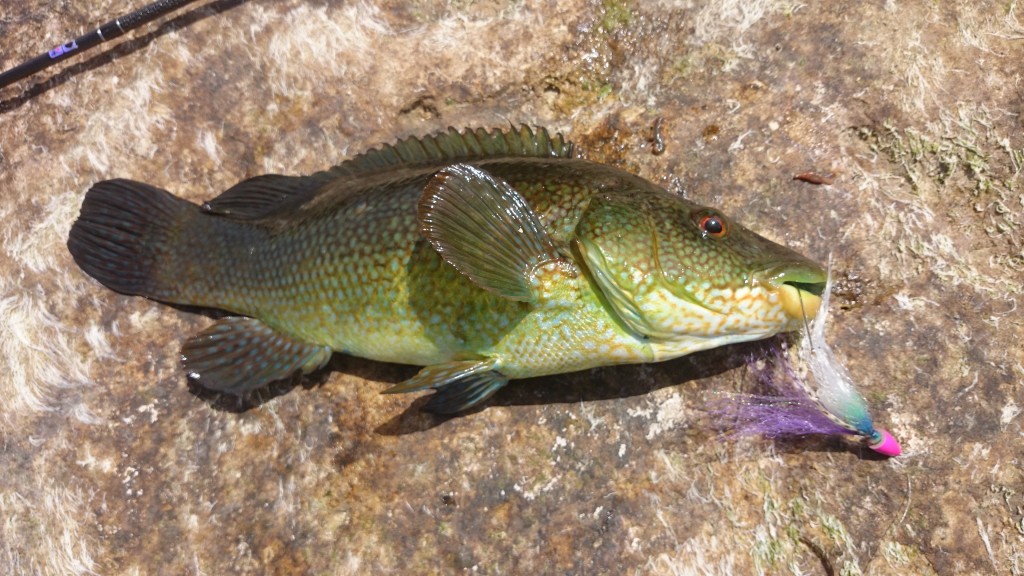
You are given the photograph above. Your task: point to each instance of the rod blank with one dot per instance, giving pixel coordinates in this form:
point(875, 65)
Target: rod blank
point(108, 31)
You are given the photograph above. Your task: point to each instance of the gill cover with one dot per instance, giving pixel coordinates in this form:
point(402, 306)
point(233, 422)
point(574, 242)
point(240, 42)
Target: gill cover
point(620, 241)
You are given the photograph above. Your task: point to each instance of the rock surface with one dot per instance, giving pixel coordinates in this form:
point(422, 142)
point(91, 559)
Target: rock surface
point(912, 110)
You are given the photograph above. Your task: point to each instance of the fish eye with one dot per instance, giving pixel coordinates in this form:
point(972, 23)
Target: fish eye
point(711, 224)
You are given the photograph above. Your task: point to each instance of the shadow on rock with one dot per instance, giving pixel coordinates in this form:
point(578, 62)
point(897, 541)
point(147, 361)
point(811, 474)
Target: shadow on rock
point(588, 386)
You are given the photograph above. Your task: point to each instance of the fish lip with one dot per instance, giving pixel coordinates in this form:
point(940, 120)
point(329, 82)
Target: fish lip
point(799, 285)
point(803, 275)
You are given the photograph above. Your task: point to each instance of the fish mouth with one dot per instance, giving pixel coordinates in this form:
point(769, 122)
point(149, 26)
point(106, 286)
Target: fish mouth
point(799, 287)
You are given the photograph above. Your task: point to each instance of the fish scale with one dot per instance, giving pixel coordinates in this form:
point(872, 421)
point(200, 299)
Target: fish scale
point(484, 256)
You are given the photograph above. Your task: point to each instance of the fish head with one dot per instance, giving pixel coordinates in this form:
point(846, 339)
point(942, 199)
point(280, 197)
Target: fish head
point(687, 277)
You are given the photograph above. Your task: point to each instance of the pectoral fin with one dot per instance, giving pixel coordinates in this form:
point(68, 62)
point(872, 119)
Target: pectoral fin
point(459, 385)
point(485, 229)
point(238, 355)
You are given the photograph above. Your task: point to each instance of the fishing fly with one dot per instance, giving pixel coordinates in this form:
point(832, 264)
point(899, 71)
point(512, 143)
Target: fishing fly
point(817, 396)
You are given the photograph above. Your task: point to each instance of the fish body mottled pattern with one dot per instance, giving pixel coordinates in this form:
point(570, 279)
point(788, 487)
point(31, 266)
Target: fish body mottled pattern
point(354, 273)
point(483, 256)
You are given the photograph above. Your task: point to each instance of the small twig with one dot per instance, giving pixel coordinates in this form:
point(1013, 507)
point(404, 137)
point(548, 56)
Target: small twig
point(815, 178)
point(657, 140)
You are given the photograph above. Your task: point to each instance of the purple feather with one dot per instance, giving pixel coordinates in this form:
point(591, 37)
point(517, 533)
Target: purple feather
point(788, 403)
point(781, 407)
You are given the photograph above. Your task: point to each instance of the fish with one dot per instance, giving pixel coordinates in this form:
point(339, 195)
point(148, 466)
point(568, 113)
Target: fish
point(482, 256)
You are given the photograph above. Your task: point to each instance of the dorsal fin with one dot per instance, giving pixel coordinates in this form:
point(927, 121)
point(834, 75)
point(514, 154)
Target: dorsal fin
point(262, 196)
point(453, 146)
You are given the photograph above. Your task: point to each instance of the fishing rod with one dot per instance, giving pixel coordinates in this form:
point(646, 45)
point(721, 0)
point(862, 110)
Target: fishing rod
point(113, 29)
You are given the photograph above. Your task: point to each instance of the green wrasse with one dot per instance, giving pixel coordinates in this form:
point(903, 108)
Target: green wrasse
point(482, 256)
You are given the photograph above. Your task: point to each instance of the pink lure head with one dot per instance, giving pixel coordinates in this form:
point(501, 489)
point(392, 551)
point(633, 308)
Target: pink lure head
point(886, 445)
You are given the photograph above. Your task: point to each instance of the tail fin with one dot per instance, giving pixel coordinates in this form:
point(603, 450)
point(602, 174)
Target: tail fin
point(125, 233)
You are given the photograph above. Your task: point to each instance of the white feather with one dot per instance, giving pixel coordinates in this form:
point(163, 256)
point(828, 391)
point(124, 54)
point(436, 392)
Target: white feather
point(832, 386)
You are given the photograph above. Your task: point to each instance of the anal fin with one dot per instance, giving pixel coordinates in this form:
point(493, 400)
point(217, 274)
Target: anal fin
point(237, 355)
point(459, 385)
